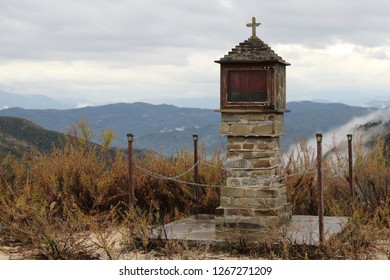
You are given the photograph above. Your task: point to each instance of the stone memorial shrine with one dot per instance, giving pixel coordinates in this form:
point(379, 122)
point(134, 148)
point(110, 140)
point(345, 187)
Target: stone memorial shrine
point(253, 203)
point(252, 107)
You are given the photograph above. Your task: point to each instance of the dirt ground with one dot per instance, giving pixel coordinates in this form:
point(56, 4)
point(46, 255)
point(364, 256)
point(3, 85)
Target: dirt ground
point(380, 252)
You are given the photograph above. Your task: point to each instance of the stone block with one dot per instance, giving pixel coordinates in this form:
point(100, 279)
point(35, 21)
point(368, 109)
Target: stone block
point(237, 163)
point(261, 163)
point(263, 129)
point(238, 212)
point(252, 217)
point(254, 117)
point(233, 192)
point(248, 154)
point(242, 222)
point(280, 118)
point(233, 146)
point(233, 154)
point(220, 219)
point(274, 202)
point(255, 181)
point(240, 129)
point(225, 128)
point(271, 192)
point(258, 174)
point(230, 117)
point(246, 203)
point(238, 173)
point(225, 201)
point(256, 154)
point(248, 146)
point(233, 182)
point(236, 139)
point(269, 172)
point(266, 212)
point(279, 128)
point(273, 221)
point(257, 202)
point(265, 144)
point(251, 222)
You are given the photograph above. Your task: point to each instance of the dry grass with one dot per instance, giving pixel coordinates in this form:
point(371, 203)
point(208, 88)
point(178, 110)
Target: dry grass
point(72, 204)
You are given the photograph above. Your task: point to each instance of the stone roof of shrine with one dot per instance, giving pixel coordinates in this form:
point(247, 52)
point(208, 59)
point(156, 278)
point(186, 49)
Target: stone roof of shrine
point(252, 50)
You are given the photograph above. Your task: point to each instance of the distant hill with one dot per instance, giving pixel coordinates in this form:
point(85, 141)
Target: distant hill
point(153, 123)
point(372, 131)
point(169, 128)
point(18, 136)
point(307, 118)
point(378, 103)
point(10, 100)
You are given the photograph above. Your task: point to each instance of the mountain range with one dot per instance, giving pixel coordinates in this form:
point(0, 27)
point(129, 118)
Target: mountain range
point(168, 128)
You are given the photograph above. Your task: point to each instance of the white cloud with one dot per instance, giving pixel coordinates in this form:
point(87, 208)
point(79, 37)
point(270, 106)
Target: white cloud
point(226, 4)
point(338, 67)
point(337, 136)
point(113, 81)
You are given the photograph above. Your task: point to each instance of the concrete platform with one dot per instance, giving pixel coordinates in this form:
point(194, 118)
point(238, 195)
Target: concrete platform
point(300, 230)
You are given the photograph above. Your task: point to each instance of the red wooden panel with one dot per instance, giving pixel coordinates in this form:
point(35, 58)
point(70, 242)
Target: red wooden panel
point(247, 86)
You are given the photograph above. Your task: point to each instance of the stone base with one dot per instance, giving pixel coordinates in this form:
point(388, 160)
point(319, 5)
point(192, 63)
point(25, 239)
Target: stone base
point(253, 207)
point(252, 218)
point(201, 229)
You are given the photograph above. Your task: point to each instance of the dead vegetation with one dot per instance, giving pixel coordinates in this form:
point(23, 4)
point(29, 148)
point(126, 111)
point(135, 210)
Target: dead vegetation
point(72, 204)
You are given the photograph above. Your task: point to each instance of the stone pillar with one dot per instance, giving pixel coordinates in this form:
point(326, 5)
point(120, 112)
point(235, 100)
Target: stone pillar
point(253, 103)
point(253, 196)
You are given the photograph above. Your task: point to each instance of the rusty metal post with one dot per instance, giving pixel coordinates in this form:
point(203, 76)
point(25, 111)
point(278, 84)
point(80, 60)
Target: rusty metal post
point(320, 189)
point(130, 139)
point(196, 170)
point(350, 163)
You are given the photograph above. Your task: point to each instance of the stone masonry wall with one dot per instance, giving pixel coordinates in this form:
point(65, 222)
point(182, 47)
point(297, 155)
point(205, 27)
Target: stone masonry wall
point(253, 196)
point(252, 161)
point(252, 124)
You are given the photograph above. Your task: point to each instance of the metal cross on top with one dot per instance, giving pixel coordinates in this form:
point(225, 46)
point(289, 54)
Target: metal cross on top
point(254, 24)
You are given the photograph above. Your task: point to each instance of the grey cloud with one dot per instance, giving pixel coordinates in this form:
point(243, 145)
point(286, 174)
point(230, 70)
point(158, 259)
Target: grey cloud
point(382, 55)
point(317, 23)
point(125, 37)
point(57, 29)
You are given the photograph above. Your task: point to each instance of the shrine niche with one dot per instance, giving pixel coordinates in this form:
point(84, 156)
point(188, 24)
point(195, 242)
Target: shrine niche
point(253, 76)
point(247, 86)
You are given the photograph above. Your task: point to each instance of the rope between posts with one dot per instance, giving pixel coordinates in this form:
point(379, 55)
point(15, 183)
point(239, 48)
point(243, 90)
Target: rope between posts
point(212, 165)
point(163, 177)
point(282, 177)
point(295, 174)
point(186, 172)
point(339, 174)
point(175, 178)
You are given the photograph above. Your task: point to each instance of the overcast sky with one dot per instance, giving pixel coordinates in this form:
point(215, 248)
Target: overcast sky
point(106, 51)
